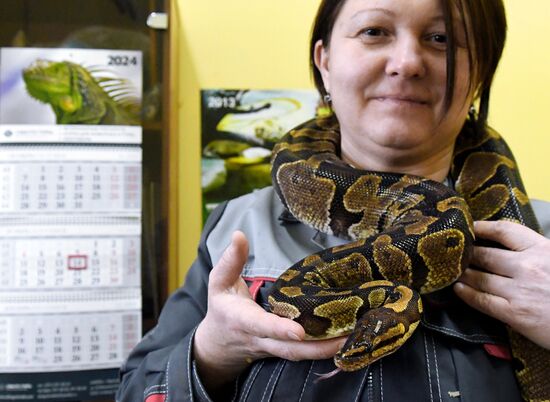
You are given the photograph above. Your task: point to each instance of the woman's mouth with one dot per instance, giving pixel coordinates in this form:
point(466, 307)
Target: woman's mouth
point(402, 100)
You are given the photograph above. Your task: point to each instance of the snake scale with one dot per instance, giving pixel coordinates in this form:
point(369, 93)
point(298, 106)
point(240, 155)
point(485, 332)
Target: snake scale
point(408, 236)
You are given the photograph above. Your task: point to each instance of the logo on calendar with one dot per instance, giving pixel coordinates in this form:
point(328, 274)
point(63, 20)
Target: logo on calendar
point(77, 262)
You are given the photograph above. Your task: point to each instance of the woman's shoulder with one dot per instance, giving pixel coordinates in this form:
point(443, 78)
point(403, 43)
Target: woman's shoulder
point(260, 205)
point(258, 198)
point(257, 215)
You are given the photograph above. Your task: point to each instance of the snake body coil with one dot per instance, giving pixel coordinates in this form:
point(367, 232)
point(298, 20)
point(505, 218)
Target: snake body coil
point(409, 236)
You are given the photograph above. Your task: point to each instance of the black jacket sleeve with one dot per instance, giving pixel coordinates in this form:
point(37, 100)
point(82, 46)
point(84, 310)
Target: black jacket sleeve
point(161, 366)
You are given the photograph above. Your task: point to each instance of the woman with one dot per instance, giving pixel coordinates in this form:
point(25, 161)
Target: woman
point(400, 82)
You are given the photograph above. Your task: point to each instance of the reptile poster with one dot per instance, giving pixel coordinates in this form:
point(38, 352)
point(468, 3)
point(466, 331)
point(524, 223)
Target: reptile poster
point(70, 221)
point(65, 93)
point(239, 130)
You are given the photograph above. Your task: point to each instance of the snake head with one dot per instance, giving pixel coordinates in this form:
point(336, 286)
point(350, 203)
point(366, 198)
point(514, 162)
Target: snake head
point(378, 333)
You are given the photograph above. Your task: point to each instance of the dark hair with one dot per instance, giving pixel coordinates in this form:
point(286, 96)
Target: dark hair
point(484, 22)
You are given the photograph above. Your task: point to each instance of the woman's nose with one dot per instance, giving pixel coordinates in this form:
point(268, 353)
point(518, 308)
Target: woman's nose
point(406, 59)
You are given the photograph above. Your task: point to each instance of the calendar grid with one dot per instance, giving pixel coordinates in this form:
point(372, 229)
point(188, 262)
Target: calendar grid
point(70, 256)
point(67, 342)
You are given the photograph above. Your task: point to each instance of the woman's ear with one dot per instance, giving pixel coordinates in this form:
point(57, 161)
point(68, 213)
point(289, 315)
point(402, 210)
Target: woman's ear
point(321, 62)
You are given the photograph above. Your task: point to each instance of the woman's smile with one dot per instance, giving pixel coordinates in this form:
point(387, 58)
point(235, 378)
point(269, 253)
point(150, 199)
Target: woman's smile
point(401, 101)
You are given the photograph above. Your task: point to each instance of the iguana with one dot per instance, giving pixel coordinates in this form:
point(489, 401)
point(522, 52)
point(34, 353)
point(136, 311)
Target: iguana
point(77, 97)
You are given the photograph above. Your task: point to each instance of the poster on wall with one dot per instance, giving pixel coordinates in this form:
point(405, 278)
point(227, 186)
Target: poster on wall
point(70, 221)
point(239, 130)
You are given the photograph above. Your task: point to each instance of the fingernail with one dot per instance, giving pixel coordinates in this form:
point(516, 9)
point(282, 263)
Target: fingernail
point(293, 336)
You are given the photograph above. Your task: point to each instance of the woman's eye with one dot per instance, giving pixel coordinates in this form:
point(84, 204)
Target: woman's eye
point(439, 38)
point(372, 32)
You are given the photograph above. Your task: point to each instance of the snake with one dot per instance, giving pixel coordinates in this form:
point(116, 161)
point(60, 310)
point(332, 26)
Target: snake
point(406, 235)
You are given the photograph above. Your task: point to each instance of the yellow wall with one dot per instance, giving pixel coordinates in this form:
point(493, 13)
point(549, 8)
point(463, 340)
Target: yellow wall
point(229, 44)
point(263, 44)
point(520, 106)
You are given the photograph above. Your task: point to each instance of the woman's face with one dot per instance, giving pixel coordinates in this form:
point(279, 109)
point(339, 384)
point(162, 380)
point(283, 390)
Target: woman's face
point(385, 68)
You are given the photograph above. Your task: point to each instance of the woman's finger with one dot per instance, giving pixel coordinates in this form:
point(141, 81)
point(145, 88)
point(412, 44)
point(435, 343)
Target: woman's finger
point(510, 234)
point(488, 283)
point(495, 260)
point(492, 305)
point(306, 350)
point(228, 269)
point(257, 322)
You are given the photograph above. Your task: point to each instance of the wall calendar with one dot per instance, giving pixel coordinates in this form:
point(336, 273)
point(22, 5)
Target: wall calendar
point(70, 221)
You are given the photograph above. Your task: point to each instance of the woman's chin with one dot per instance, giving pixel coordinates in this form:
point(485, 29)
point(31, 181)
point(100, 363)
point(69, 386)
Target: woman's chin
point(401, 137)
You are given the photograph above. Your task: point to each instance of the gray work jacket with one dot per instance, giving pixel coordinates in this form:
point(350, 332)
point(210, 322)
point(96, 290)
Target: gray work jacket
point(457, 354)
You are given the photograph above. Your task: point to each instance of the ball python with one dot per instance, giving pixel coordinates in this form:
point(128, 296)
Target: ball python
point(408, 236)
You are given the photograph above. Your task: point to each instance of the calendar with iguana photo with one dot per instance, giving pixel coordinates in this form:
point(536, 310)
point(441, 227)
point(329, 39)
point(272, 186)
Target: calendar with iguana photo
point(70, 95)
point(70, 220)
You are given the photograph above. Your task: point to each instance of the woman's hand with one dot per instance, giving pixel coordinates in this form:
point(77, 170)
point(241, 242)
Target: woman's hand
point(515, 288)
point(237, 331)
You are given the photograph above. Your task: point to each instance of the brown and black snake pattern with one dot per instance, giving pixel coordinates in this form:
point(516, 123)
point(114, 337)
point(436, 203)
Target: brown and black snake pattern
point(409, 236)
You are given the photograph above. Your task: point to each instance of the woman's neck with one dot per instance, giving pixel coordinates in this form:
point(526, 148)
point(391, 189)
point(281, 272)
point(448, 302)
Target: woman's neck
point(434, 166)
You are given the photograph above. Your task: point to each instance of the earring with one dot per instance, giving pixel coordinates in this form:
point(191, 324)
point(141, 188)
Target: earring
point(472, 112)
point(328, 99)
